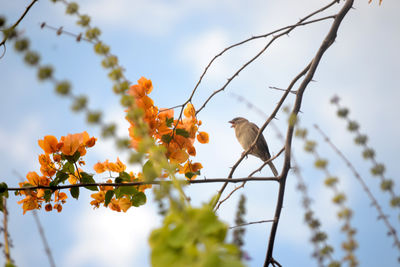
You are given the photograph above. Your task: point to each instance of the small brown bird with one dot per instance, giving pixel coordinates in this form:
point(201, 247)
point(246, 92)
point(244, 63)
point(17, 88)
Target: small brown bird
point(246, 132)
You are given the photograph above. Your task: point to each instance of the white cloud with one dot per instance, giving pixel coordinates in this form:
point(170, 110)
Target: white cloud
point(18, 143)
point(107, 238)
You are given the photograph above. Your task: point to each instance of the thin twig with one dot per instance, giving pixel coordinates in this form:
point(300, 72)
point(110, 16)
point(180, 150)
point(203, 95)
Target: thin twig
point(3, 42)
point(250, 175)
point(5, 231)
point(44, 240)
point(250, 223)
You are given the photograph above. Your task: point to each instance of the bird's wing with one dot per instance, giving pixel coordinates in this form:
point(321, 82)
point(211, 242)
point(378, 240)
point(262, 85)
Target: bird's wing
point(261, 141)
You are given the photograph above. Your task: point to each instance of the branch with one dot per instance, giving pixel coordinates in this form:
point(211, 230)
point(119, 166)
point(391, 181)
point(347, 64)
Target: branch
point(249, 223)
point(3, 42)
point(44, 240)
point(275, 37)
point(327, 42)
point(250, 175)
point(204, 181)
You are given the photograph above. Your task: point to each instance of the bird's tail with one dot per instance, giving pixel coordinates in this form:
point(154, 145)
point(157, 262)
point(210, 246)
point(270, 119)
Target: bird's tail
point(273, 169)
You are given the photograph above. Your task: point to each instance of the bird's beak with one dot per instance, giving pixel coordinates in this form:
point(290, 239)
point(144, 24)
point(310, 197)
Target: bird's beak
point(233, 124)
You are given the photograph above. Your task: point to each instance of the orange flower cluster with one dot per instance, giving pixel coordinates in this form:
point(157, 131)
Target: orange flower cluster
point(53, 168)
point(124, 202)
point(176, 135)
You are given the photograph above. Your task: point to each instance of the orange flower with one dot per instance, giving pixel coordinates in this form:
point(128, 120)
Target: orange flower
point(47, 167)
point(202, 137)
point(57, 157)
point(91, 142)
point(124, 203)
point(49, 144)
point(117, 166)
point(60, 197)
point(165, 114)
point(71, 143)
point(58, 207)
point(99, 167)
point(192, 151)
point(137, 91)
point(189, 111)
point(33, 178)
point(29, 203)
point(114, 205)
point(99, 198)
point(146, 84)
point(179, 156)
point(48, 207)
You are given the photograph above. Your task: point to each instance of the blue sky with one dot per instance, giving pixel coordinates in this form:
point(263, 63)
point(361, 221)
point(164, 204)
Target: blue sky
point(170, 42)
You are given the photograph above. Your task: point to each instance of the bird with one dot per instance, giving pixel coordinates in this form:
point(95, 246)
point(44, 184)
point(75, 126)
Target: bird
point(246, 132)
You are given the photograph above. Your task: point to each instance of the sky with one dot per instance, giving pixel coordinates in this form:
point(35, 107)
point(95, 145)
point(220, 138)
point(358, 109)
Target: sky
point(171, 42)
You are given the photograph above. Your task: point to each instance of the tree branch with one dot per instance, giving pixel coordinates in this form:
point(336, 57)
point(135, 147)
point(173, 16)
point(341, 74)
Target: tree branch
point(327, 42)
point(3, 42)
point(204, 181)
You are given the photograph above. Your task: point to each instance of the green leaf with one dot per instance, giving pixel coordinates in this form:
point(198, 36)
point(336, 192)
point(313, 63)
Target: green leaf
point(69, 167)
point(125, 176)
point(108, 197)
point(125, 190)
point(182, 132)
point(169, 122)
point(166, 138)
point(88, 179)
point(118, 180)
point(47, 195)
point(61, 177)
point(148, 171)
point(138, 199)
point(75, 192)
point(3, 187)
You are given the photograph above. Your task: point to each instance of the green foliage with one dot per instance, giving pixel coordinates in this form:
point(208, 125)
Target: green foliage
point(79, 103)
point(93, 117)
point(2, 21)
point(45, 72)
point(83, 21)
point(120, 87)
point(75, 192)
point(108, 197)
point(101, 48)
point(343, 112)
point(31, 58)
point(108, 130)
point(123, 143)
point(192, 237)
point(320, 163)
point(353, 126)
point(93, 33)
point(238, 232)
point(21, 44)
point(72, 8)
point(63, 88)
point(88, 179)
point(149, 171)
point(182, 132)
point(378, 169)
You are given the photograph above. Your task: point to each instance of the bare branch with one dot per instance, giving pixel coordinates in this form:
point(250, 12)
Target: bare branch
point(327, 42)
point(204, 181)
point(2, 43)
point(250, 223)
point(44, 240)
